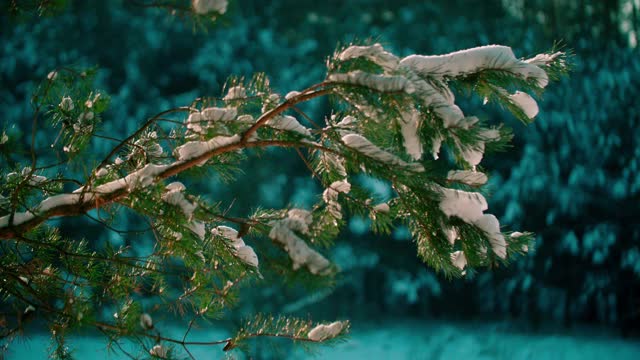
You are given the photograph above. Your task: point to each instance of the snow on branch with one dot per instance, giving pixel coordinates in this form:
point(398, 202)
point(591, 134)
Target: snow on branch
point(207, 6)
point(301, 254)
point(288, 123)
point(330, 197)
point(410, 96)
point(544, 59)
point(174, 196)
point(235, 93)
point(298, 220)
point(472, 178)
point(218, 114)
point(409, 126)
point(374, 53)
point(526, 103)
point(200, 121)
point(381, 83)
point(87, 197)
point(360, 144)
point(465, 62)
point(138, 179)
point(334, 162)
point(425, 79)
point(458, 259)
point(194, 149)
point(491, 226)
point(323, 332)
point(240, 249)
point(470, 207)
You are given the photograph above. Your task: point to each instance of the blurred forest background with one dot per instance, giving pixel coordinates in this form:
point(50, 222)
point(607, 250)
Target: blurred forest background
point(571, 176)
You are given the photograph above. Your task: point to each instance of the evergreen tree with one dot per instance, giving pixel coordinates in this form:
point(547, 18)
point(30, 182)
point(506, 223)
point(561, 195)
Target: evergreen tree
point(395, 119)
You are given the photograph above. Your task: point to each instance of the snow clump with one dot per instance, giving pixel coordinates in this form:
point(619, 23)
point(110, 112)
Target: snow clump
point(323, 332)
point(206, 6)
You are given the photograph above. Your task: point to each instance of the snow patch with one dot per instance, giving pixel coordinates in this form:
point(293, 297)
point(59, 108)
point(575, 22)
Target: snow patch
point(543, 59)
point(299, 252)
point(140, 178)
point(240, 249)
point(218, 114)
point(66, 104)
point(235, 93)
point(146, 322)
point(175, 197)
point(409, 125)
point(473, 154)
point(451, 233)
point(436, 145)
point(206, 6)
point(291, 94)
point(526, 103)
point(382, 208)
point(323, 332)
point(440, 99)
point(375, 53)
point(330, 197)
point(299, 220)
point(101, 172)
point(194, 149)
point(288, 123)
point(473, 178)
point(200, 122)
point(347, 122)
point(335, 163)
point(245, 119)
point(194, 122)
point(229, 233)
point(459, 260)
point(381, 83)
point(247, 255)
point(365, 147)
point(490, 134)
point(468, 206)
point(490, 225)
point(472, 60)
point(159, 351)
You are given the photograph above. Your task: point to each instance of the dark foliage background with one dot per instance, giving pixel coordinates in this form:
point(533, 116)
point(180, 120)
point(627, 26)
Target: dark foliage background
point(571, 176)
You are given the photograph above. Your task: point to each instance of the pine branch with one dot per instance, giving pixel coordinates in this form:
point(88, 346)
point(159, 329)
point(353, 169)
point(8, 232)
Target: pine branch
point(79, 203)
point(395, 117)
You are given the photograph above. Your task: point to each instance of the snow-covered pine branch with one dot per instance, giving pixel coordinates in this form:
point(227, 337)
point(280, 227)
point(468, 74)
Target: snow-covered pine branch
point(283, 231)
point(417, 93)
point(360, 144)
point(210, 6)
point(241, 250)
point(426, 78)
point(392, 111)
point(288, 123)
point(380, 83)
point(466, 62)
point(419, 81)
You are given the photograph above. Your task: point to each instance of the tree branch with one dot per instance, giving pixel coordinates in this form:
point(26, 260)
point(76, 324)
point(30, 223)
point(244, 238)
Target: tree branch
point(78, 203)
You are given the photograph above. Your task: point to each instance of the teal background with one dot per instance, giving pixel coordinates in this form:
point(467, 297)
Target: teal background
point(571, 176)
